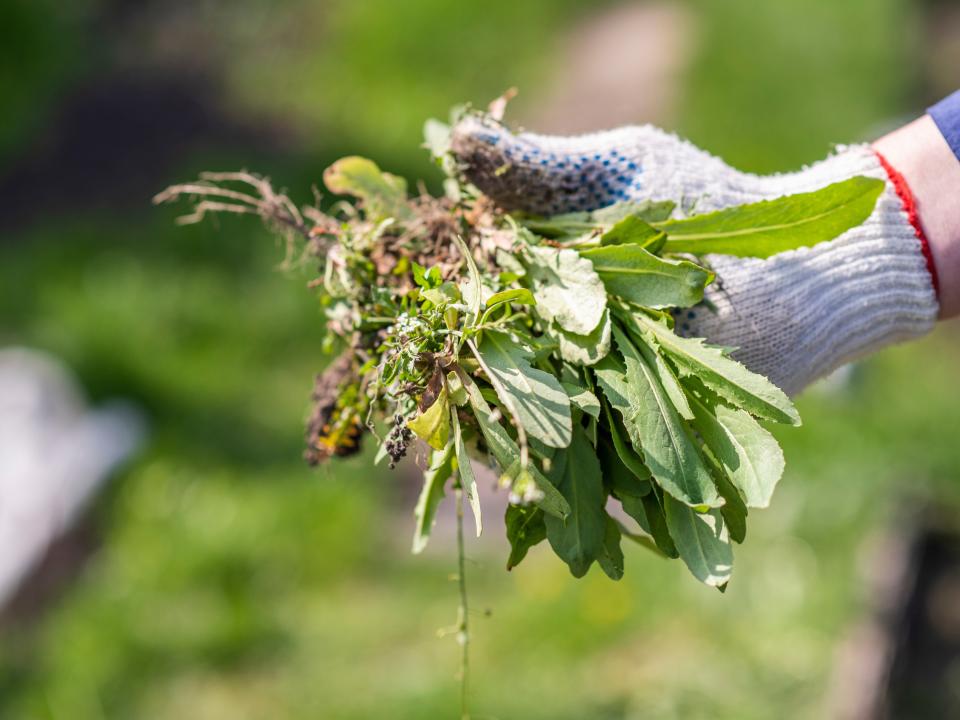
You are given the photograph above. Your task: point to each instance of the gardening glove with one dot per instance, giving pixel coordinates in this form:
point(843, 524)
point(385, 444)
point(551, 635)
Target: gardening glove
point(793, 317)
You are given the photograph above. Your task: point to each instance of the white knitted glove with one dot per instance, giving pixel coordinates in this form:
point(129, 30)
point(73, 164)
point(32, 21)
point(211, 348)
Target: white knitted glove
point(794, 317)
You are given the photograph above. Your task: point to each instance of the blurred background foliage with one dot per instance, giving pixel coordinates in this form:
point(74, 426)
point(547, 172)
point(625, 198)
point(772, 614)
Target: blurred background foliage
point(229, 581)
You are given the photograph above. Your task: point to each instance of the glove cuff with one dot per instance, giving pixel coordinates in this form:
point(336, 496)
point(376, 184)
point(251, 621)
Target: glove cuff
point(910, 207)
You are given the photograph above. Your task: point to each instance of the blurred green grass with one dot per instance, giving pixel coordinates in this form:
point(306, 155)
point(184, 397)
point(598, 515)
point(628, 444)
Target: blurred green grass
point(234, 583)
point(40, 53)
point(778, 83)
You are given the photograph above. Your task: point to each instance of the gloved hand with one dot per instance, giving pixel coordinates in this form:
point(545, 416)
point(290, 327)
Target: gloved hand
point(794, 317)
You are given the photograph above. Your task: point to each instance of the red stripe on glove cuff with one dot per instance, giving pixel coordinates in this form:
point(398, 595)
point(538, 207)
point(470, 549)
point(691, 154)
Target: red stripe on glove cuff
point(910, 206)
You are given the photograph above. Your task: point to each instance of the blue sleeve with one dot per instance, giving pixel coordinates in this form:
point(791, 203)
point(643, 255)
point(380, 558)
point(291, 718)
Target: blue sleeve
point(946, 114)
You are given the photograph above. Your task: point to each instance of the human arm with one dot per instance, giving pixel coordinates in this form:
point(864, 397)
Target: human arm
point(920, 153)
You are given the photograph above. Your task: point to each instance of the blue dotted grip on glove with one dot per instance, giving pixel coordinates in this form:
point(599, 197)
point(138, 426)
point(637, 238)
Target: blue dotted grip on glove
point(531, 173)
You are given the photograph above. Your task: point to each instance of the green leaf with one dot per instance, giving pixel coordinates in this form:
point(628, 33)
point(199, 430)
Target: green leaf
point(632, 230)
point(383, 195)
point(647, 210)
point(440, 470)
point(446, 293)
point(540, 450)
point(734, 510)
point(536, 397)
point(489, 394)
point(749, 454)
point(665, 374)
point(725, 376)
point(574, 224)
point(500, 444)
point(433, 424)
point(507, 454)
point(641, 277)
point(765, 228)
point(653, 425)
point(426, 279)
point(610, 558)
point(509, 265)
point(521, 296)
point(455, 389)
point(567, 289)
point(702, 541)
point(420, 276)
point(617, 478)
point(648, 513)
point(582, 349)
point(467, 479)
point(629, 457)
point(579, 540)
point(582, 398)
point(525, 528)
point(473, 290)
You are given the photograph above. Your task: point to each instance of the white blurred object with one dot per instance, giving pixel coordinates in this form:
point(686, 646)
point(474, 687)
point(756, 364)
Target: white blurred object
point(54, 454)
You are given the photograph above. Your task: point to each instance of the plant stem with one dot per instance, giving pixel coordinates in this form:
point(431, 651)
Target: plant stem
point(463, 631)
